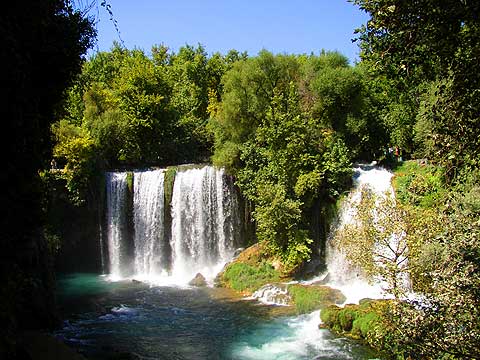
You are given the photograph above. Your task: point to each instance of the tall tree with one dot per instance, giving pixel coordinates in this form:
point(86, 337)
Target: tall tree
point(43, 46)
point(436, 42)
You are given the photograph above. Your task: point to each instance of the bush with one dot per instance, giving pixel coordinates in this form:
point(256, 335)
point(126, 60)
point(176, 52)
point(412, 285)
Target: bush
point(420, 185)
point(367, 321)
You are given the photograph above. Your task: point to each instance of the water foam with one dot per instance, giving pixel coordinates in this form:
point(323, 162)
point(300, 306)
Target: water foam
point(341, 274)
point(292, 338)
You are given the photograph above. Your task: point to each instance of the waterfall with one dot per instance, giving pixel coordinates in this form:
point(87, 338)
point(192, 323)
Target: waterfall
point(204, 219)
point(342, 274)
point(204, 232)
point(148, 212)
point(116, 219)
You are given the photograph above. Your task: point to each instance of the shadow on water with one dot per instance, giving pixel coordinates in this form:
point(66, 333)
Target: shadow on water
point(131, 320)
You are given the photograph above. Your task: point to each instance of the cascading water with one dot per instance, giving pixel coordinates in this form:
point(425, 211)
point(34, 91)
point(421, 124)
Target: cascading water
point(342, 274)
point(273, 294)
point(192, 322)
point(116, 219)
point(204, 222)
point(204, 229)
point(151, 253)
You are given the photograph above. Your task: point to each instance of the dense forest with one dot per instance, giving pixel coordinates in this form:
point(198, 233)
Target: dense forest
point(288, 129)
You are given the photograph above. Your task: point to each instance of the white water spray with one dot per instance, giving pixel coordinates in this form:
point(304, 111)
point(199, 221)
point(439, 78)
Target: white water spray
point(203, 223)
point(273, 294)
point(341, 274)
point(148, 212)
point(116, 218)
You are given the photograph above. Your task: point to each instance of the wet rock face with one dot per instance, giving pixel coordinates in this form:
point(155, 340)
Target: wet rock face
point(198, 280)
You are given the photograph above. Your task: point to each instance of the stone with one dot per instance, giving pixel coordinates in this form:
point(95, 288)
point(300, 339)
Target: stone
point(198, 280)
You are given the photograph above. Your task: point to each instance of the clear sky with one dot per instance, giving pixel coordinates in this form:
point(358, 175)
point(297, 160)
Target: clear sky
point(280, 26)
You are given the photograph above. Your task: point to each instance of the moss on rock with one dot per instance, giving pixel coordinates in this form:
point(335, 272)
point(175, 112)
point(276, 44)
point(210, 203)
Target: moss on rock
point(249, 271)
point(366, 321)
point(168, 182)
point(307, 298)
point(248, 278)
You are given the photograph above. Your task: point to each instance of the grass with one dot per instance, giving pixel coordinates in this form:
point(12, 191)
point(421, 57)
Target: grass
point(308, 298)
point(245, 277)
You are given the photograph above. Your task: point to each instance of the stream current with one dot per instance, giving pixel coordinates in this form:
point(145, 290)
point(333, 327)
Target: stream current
point(114, 317)
point(132, 320)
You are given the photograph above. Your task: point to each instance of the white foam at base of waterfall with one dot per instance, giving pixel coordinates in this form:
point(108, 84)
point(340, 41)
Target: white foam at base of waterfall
point(270, 294)
point(300, 338)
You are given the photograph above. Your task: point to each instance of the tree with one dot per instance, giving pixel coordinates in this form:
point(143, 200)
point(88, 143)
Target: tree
point(43, 46)
point(445, 322)
point(376, 241)
point(431, 41)
point(248, 89)
point(290, 163)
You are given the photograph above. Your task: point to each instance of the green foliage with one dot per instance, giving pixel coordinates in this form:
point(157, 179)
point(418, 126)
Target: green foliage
point(447, 126)
point(308, 298)
point(419, 184)
point(76, 149)
point(168, 182)
point(430, 51)
point(245, 277)
point(142, 110)
point(376, 242)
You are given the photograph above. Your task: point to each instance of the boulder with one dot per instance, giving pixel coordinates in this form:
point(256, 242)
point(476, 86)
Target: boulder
point(198, 280)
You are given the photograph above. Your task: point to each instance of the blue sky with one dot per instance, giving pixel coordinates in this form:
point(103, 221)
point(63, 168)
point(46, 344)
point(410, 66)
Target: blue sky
point(281, 26)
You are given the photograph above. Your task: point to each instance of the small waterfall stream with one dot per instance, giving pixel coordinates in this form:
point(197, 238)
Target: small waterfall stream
point(116, 219)
point(341, 274)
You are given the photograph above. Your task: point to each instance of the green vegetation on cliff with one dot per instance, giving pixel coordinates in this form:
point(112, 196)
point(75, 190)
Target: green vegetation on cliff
point(367, 321)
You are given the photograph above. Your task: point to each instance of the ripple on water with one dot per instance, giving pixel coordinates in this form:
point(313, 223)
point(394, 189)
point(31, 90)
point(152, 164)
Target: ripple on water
point(178, 323)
